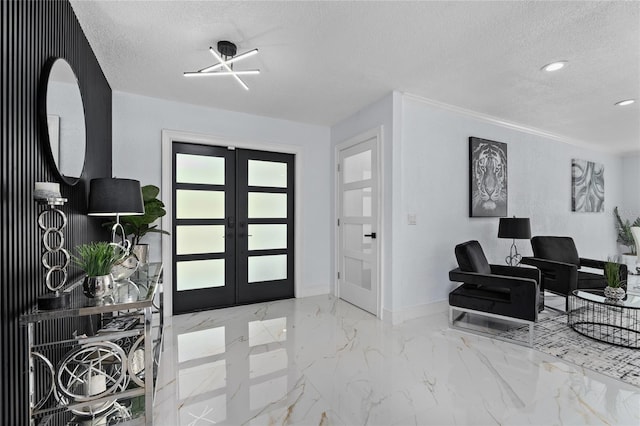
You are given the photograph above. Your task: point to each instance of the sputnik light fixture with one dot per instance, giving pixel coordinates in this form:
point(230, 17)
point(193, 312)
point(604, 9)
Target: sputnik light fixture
point(226, 57)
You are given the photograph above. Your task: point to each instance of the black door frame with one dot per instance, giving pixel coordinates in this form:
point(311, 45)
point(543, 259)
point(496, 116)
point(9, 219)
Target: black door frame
point(237, 290)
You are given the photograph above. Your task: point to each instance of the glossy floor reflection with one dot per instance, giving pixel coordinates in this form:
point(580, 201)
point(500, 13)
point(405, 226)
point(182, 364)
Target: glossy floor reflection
point(321, 361)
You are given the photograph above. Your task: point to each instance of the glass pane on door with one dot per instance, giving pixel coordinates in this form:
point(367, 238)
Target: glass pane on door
point(267, 237)
point(357, 272)
point(192, 204)
point(267, 173)
point(195, 274)
point(354, 237)
point(267, 205)
point(199, 239)
point(357, 167)
point(200, 169)
point(357, 202)
point(267, 268)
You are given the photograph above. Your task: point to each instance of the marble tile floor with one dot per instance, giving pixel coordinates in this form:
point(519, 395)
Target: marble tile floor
point(322, 361)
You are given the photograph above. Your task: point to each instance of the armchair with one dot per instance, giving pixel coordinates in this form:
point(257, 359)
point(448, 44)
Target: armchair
point(558, 260)
point(505, 292)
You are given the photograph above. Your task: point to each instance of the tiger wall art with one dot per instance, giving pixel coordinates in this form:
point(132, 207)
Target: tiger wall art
point(488, 178)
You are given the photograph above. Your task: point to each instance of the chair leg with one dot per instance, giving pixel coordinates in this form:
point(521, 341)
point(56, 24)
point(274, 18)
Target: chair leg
point(531, 335)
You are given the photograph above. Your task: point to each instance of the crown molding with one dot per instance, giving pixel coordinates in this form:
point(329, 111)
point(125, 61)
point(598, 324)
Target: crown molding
point(515, 126)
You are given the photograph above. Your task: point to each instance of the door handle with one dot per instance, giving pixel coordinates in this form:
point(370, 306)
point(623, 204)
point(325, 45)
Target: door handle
point(372, 235)
point(231, 221)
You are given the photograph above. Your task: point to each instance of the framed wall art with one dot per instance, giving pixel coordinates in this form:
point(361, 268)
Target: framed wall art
point(487, 178)
point(587, 186)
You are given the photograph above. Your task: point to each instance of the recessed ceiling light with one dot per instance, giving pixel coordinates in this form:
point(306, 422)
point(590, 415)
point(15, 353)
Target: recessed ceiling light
point(554, 66)
point(625, 102)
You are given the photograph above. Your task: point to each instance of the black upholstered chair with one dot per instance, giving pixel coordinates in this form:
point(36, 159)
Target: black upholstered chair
point(558, 260)
point(505, 292)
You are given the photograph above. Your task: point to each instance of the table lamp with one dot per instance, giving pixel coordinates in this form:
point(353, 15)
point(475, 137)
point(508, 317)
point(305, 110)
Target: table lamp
point(516, 228)
point(116, 197)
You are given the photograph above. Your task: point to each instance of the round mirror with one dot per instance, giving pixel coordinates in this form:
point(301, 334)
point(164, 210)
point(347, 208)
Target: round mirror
point(62, 115)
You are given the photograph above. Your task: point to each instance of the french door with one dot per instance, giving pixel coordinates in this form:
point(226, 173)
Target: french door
point(232, 226)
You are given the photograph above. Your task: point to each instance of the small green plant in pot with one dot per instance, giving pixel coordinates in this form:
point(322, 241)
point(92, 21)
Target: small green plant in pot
point(615, 286)
point(96, 260)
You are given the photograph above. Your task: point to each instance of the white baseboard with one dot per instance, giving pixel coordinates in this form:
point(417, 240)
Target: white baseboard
point(402, 315)
point(316, 290)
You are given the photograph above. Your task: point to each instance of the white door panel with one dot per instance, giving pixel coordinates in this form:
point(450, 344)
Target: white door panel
point(358, 236)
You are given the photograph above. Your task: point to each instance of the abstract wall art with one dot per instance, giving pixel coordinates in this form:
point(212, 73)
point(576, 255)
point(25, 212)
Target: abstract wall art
point(587, 186)
point(487, 178)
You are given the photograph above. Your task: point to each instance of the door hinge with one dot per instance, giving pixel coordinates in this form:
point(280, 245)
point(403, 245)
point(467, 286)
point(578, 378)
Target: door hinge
point(338, 167)
point(338, 222)
point(338, 275)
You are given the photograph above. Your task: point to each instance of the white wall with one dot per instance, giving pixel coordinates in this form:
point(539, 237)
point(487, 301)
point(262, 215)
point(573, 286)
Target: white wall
point(630, 204)
point(137, 125)
point(425, 172)
point(434, 185)
point(378, 114)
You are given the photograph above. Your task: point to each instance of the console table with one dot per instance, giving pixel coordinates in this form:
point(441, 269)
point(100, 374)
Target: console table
point(107, 377)
point(595, 316)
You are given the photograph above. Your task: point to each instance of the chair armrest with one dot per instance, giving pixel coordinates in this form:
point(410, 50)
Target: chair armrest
point(599, 264)
point(524, 293)
point(491, 280)
point(515, 271)
point(547, 264)
point(558, 277)
point(592, 263)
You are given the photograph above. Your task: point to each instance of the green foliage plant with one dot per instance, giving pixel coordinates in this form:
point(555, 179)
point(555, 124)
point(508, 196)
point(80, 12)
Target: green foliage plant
point(612, 274)
point(96, 259)
point(137, 227)
point(623, 228)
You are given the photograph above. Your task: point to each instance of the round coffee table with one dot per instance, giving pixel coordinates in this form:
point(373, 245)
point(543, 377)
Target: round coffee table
point(615, 322)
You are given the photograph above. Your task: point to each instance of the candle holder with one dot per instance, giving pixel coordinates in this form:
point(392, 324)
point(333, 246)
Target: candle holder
point(55, 258)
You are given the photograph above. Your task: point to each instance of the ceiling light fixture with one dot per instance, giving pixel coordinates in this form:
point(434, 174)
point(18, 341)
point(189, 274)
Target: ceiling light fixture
point(625, 102)
point(554, 66)
point(226, 56)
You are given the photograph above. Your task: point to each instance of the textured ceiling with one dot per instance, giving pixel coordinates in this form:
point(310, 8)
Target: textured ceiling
point(323, 61)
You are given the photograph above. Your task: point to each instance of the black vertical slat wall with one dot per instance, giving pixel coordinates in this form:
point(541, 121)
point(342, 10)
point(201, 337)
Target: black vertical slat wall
point(32, 32)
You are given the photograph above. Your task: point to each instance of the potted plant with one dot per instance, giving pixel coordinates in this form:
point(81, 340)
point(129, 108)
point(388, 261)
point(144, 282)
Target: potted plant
point(137, 227)
point(615, 286)
point(625, 237)
point(96, 260)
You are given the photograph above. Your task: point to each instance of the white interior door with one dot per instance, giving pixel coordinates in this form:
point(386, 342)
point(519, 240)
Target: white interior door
point(359, 239)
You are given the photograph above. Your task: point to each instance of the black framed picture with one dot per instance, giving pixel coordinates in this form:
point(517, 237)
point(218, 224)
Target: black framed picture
point(487, 178)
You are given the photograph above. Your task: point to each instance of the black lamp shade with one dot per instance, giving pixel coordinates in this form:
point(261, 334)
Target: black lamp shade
point(112, 196)
point(517, 228)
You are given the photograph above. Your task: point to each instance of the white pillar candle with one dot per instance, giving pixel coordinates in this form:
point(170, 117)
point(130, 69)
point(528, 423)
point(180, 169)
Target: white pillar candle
point(44, 190)
point(96, 385)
